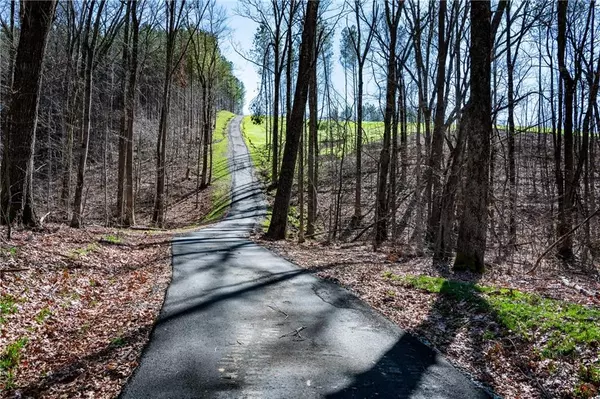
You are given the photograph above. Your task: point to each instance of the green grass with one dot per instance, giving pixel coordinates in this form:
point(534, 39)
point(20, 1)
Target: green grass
point(79, 252)
point(254, 135)
point(9, 361)
point(113, 239)
point(221, 175)
point(372, 133)
point(8, 305)
point(9, 252)
point(118, 341)
point(43, 315)
point(561, 327)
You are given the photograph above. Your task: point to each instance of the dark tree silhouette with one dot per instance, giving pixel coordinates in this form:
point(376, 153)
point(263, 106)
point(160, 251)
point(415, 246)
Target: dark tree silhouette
point(278, 225)
point(21, 119)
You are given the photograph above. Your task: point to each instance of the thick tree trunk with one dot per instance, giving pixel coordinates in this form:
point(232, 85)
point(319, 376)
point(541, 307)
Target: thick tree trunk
point(21, 118)
point(565, 248)
point(473, 222)
point(278, 225)
point(301, 185)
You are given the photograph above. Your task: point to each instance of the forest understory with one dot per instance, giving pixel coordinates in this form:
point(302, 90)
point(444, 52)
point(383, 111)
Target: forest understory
point(77, 305)
point(77, 308)
point(524, 333)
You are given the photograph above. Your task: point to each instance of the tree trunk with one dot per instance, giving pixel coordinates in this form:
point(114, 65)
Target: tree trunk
point(158, 216)
point(124, 125)
point(21, 118)
point(359, 139)
point(275, 125)
point(473, 222)
point(205, 135)
point(301, 185)
point(392, 17)
point(278, 225)
point(129, 214)
point(312, 152)
point(437, 144)
point(565, 248)
point(90, 54)
point(512, 172)
point(77, 218)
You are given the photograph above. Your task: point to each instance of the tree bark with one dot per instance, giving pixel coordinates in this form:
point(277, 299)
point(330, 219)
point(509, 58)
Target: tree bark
point(437, 144)
point(124, 125)
point(392, 17)
point(473, 222)
point(129, 212)
point(90, 53)
point(312, 152)
point(565, 249)
point(278, 225)
point(21, 119)
point(158, 215)
point(512, 172)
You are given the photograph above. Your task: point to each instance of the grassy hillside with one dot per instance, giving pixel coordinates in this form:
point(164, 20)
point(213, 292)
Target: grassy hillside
point(221, 175)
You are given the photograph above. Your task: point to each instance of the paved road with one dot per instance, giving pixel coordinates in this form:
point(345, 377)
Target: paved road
point(240, 322)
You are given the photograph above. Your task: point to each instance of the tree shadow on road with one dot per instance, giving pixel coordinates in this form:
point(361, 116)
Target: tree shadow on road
point(413, 368)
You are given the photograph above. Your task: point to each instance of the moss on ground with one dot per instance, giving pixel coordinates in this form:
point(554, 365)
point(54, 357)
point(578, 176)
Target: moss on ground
point(559, 326)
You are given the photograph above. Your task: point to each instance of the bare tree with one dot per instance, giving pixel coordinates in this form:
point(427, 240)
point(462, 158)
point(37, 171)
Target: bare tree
point(95, 46)
point(361, 48)
point(21, 119)
point(278, 225)
point(478, 124)
point(393, 11)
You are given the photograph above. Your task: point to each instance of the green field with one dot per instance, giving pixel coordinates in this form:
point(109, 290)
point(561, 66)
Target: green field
point(256, 140)
point(221, 176)
point(331, 137)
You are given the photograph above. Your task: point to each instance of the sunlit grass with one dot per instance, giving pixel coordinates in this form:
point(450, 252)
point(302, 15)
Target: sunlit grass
point(256, 140)
point(221, 175)
point(560, 327)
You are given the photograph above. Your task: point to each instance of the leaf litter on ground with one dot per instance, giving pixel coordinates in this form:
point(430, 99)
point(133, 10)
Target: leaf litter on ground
point(74, 320)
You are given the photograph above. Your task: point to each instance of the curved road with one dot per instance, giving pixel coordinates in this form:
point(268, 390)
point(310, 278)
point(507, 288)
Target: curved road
point(240, 322)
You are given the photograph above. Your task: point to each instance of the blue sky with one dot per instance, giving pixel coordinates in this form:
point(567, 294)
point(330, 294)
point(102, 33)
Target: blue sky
point(240, 39)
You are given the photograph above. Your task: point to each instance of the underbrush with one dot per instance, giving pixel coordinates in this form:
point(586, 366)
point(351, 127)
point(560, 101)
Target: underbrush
point(76, 308)
point(554, 331)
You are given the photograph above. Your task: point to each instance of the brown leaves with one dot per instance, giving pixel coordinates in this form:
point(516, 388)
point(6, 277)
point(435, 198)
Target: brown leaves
point(86, 309)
